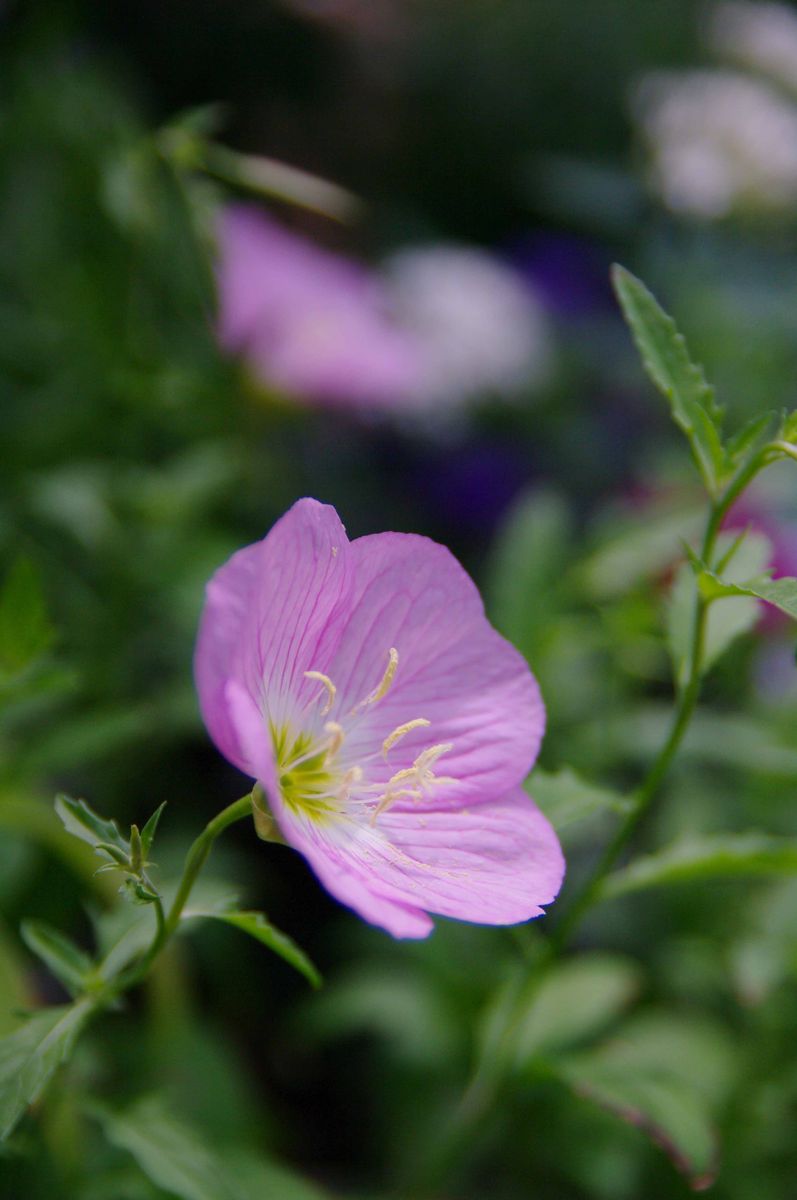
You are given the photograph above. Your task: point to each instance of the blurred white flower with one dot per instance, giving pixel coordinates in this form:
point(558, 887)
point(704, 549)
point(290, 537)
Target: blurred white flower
point(719, 142)
point(760, 36)
point(479, 327)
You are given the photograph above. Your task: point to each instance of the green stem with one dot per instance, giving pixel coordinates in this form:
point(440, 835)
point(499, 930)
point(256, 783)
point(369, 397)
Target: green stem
point(166, 925)
point(686, 702)
point(198, 856)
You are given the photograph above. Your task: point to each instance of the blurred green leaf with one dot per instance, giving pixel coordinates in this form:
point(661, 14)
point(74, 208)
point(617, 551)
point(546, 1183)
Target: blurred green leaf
point(639, 547)
point(529, 555)
point(741, 443)
point(68, 963)
point(14, 991)
point(574, 1001)
point(30, 1056)
point(722, 855)
point(25, 629)
point(724, 622)
point(668, 1077)
point(667, 362)
point(257, 925)
point(565, 797)
point(178, 1158)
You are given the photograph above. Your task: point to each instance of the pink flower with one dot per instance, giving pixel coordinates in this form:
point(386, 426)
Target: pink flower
point(387, 722)
point(309, 323)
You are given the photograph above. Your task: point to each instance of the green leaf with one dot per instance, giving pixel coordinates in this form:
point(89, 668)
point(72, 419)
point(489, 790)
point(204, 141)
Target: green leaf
point(565, 797)
point(68, 963)
point(31, 1054)
point(722, 855)
point(150, 829)
point(84, 823)
point(667, 362)
point(25, 630)
point(667, 1077)
point(258, 926)
point(780, 592)
point(724, 622)
point(575, 1000)
point(14, 989)
point(639, 547)
point(529, 557)
point(741, 443)
point(178, 1158)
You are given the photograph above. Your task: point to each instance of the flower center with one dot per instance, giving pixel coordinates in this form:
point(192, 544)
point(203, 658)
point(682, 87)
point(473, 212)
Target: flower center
point(317, 778)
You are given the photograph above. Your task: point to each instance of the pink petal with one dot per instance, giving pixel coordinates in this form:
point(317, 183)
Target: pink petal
point(267, 619)
point(496, 863)
point(454, 670)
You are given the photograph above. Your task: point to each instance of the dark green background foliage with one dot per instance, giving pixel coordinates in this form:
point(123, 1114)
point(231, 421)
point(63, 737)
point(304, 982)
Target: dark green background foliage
point(135, 458)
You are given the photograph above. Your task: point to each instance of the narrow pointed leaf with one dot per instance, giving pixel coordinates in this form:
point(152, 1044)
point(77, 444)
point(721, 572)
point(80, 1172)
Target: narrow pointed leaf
point(150, 829)
point(725, 855)
point(259, 927)
point(30, 1056)
point(667, 362)
point(68, 963)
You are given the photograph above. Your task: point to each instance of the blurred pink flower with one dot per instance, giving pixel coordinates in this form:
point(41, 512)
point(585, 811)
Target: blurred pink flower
point(387, 722)
point(309, 323)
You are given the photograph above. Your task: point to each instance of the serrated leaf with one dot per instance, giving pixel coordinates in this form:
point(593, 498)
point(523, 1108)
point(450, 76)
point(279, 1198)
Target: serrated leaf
point(150, 829)
point(30, 1056)
point(258, 926)
point(782, 593)
point(565, 797)
point(84, 823)
point(724, 623)
point(668, 363)
point(179, 1159)
point(25, 629)
point(68, 963)
point(575, 1000)
point(722, 855)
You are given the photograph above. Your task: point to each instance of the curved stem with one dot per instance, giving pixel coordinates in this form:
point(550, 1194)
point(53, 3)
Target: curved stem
point(198, 855)
point(685, 707)
point(166, 925)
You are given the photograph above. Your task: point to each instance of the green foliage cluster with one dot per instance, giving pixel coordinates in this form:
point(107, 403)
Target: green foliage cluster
point(637, 1041)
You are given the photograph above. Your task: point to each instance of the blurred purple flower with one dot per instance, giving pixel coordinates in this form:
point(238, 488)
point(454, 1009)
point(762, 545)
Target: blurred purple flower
point(308, 323)
point(570, 274)
point(388, 724)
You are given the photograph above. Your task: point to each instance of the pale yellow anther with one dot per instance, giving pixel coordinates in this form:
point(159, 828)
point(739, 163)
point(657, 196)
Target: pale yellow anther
point(383, 686)
point(336, 736)
point(330, 687)
point(398, 734)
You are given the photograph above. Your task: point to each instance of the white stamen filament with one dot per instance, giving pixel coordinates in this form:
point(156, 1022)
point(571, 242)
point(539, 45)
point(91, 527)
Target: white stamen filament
point(330, 687)
point(383, 687)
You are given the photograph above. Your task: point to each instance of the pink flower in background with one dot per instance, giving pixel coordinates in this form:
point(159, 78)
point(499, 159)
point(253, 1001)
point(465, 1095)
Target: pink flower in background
point(387, 722)
point(309, 323)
